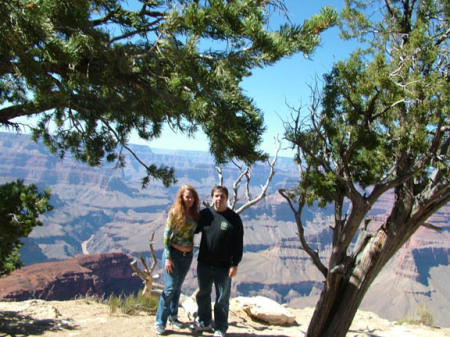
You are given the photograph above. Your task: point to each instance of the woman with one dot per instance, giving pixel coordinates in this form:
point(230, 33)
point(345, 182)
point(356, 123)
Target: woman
point(177, 256)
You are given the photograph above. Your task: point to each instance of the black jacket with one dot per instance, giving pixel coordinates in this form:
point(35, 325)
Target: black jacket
point(222, 239)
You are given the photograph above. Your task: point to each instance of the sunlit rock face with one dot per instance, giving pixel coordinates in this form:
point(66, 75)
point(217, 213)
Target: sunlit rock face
point(97, 274)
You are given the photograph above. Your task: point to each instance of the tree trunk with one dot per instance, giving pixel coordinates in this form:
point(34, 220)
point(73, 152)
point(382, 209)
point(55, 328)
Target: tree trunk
point(346, 287)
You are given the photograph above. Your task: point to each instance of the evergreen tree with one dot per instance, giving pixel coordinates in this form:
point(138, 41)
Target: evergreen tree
point(380, 125)
point(20, 207)
point(94, 71)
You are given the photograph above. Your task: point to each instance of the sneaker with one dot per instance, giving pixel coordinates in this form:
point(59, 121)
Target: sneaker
point(160, 329)
point(176, 323)
point(219, 333)
point(200, 326)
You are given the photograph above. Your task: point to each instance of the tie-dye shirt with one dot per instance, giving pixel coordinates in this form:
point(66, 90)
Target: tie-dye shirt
point(184, 236)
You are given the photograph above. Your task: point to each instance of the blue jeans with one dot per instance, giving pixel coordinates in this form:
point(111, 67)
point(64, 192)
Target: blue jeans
point(170, 297)
point(206, 276)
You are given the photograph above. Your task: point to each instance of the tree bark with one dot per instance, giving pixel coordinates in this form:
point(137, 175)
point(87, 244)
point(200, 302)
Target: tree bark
point(343, 293)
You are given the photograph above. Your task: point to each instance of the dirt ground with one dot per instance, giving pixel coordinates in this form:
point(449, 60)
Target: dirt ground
point(91, 319)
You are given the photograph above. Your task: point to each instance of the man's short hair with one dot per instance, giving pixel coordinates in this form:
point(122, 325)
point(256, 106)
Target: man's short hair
point(219, 188)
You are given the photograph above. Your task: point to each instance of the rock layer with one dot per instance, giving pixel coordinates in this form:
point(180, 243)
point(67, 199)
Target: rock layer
point(97, 274)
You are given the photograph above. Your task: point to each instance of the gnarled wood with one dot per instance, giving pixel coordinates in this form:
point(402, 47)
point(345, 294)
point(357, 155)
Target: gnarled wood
point(150, 287)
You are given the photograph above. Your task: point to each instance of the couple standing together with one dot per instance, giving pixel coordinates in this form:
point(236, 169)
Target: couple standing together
point(220, 252)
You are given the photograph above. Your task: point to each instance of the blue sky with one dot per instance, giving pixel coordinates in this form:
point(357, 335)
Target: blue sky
point(274, 87)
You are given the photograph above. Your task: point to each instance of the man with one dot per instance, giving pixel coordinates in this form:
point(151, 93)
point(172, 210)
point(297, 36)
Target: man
point(220, 252)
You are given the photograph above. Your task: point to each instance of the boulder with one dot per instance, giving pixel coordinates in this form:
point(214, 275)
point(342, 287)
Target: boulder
point(266, 310)
point(189, 305)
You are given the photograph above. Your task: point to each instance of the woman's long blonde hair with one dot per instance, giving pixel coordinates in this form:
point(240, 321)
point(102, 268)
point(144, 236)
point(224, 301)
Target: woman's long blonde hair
point(178, 212)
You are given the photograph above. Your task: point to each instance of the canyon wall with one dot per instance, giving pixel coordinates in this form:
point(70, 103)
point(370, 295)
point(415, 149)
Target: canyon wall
point(101, 210)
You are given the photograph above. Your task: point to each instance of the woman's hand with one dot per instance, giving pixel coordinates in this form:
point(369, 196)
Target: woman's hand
point(169, 266)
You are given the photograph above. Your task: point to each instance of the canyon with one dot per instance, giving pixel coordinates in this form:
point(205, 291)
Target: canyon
point(104, 210)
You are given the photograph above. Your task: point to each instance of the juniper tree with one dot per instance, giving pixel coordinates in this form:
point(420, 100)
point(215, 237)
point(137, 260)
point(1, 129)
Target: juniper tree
point(94, 71)
point(380, 125)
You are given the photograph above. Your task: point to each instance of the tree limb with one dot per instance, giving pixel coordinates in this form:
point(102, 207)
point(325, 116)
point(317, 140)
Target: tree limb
point(301, 232)
point(250, 202)
point(147, 274)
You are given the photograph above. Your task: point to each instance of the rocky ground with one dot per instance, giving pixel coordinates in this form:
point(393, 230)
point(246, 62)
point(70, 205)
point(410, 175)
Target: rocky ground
point(87, 318)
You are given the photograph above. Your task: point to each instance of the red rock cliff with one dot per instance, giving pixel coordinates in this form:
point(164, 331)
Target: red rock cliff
point(101, 274)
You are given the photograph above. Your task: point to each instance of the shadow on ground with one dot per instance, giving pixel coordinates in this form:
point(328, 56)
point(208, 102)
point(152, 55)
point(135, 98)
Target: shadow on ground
point(229, 334)
point(15, 324)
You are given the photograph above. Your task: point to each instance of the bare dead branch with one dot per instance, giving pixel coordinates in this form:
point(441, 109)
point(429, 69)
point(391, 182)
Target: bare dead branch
point(220, 174)
point(263, 193)
point(150, 288)
point(152, 252)
point(237, 182)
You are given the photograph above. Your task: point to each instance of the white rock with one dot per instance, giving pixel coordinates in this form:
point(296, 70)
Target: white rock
point(189, 305)
point(266, 310)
